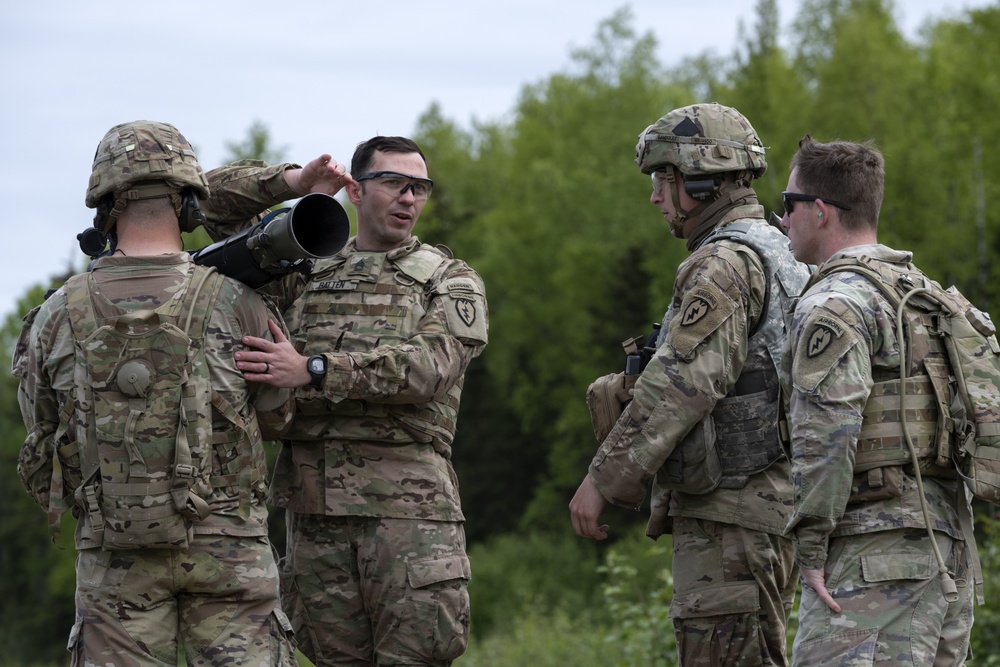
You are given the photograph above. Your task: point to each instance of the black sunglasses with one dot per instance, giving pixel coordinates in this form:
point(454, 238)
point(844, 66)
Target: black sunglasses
point(788, 199)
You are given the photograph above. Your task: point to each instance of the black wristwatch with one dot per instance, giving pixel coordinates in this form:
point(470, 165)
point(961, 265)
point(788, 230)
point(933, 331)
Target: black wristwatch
point(317, 370)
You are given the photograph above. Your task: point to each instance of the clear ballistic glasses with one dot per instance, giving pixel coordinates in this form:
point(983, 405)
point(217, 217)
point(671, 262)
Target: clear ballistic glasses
point(400, 183)
point(661, 176)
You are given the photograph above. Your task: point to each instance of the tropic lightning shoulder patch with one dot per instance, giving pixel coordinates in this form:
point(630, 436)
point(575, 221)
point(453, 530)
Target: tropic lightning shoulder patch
point(823, 342)
point(696, 309)
point(822, 335)
point(703, 309)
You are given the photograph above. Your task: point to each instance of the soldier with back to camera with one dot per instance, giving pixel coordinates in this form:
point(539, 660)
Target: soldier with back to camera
point(139, 420)
point(703, 422)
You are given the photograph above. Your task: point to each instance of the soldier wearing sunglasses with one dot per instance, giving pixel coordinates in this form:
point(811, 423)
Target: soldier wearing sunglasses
point(376, 570)
point(882, 530)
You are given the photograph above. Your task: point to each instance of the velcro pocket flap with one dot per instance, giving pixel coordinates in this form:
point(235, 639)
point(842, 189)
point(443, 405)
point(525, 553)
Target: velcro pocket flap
point(890, 566)
point(435, 569)
point(735, 598)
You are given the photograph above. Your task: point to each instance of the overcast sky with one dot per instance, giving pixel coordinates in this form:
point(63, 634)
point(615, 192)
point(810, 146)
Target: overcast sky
point(321, 74)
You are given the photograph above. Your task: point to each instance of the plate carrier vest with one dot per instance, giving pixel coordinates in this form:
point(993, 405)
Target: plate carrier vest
point(746, 421)
point(143, 402)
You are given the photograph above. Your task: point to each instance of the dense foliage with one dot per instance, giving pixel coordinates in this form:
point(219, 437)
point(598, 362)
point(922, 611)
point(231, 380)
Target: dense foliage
point(549, 206)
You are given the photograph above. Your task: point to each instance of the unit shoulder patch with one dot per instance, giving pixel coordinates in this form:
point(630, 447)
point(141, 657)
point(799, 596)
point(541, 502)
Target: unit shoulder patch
point(704, 308)
point(465, 309)
point(823, 342)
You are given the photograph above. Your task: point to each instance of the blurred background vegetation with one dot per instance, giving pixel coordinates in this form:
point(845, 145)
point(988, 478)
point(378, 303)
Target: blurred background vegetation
point(550, 208)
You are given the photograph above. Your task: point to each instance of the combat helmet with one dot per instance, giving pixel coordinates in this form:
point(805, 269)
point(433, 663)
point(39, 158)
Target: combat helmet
point(701, 140)
point(142, 160)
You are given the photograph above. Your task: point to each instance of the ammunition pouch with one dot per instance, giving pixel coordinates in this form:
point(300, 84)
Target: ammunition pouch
point(607, 397)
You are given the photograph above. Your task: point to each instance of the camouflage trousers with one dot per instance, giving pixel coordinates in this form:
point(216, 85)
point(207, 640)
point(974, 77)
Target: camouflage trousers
point(367, 591)
point(893, 610)
point(733, 593)
point(219, 597)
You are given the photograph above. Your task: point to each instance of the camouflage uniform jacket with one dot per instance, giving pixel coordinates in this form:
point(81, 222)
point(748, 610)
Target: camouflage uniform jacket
point(843, 332)
point(44, 362)
point(693, 369)
point(398, 330)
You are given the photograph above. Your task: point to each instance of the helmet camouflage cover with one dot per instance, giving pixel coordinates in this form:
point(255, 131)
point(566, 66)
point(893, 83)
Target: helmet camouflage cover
point(143, 151)
point(699, 140)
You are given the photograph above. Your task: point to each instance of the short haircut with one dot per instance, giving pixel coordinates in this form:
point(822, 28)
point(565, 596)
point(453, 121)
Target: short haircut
point(364, 154)
point(847, 172)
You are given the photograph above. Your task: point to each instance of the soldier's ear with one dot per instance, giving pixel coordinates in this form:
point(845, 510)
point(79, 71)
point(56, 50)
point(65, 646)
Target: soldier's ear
point(354, 192)
point(822, 213)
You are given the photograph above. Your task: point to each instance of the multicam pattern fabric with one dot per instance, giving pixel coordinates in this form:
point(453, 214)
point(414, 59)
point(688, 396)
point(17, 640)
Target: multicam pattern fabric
point(366, 470)
point(144, 408)
point(734, 572)
point(376, 440)
point(927, 391)
point(842, 335)
point(220, 595)
point(49, 460)
point(110, 582)
point(746, 421)
point(893, 608)
point(701, 139)
point(351, 584)
point(719, 617)
point(953, 371)
point(143, 151)
point(398, 330)
point(873, 547)
point(719, 294)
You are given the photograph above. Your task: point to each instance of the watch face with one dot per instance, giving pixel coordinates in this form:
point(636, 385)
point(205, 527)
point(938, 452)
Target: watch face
point(316, 365)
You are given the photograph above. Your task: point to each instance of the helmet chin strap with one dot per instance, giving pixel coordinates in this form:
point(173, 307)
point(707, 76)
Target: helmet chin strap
point(141, 191)
point(677, 224)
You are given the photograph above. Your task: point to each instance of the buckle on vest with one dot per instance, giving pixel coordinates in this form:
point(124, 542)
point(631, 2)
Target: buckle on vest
point(94, 512)
point(182, 471)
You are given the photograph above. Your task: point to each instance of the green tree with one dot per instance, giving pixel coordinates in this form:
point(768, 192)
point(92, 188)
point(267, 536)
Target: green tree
point(36, 593)
point(765, 85)
point(574, 258)
point(548, 205)
point(256, 146)
point(950, 149)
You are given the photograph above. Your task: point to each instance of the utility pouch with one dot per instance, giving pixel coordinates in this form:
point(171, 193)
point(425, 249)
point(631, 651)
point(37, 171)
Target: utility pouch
point(607, 397)
point(694, 467)
point(876, 484)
